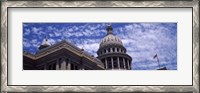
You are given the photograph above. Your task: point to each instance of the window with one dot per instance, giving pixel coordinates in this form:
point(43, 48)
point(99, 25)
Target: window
point(104, 51)
point(54, 66)
point(126, 64)
point(76, 67)
point(59, 62)
point(121, 62)
point(49, 68)
point(115, 63)
point(117, 49)
point(66, 60)
point(109, 63)
point(109, 50)
point(42, 68)
point(87, 68)
point(72, 66)
point(113, 49)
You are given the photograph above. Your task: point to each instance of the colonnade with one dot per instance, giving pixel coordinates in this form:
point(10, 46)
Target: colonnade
point(120, 63)
point(63, 64)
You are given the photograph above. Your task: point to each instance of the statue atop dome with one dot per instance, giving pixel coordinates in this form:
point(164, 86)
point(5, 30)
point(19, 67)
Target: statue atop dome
point(109, 29)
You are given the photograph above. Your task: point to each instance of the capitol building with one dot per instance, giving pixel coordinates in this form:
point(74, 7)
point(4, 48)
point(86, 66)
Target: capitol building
point(66, 56)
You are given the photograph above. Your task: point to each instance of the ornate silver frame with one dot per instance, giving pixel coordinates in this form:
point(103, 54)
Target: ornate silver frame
point(4, 45)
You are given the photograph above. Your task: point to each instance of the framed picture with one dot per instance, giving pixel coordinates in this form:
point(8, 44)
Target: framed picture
point(100, 46)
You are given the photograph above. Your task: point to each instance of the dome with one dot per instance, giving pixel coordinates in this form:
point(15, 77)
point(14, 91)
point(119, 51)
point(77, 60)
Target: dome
point(112, 53)
point(110, 38)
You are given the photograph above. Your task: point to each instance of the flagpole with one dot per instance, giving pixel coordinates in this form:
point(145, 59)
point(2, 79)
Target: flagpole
point(158, 62)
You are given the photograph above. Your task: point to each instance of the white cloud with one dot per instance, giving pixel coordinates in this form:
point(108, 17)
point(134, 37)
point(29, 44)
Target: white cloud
point(27, 31)
point(35, 43)
point(38, 31)
point(51, 41)
point(70, 30)
point(86, 30)
point(51, 35)
point(26, 44)
point(57, 33)
point(143, 41)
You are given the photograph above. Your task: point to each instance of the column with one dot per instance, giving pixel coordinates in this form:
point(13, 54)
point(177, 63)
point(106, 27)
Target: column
point(69, 65)
point(45, 66)
point(66, 63)
point(124, 63)
point(106, 63)
point(83, 68)
point(128, 64)
point(118, 62)
point(112, 62)
point(63, 64)
point(57, 65)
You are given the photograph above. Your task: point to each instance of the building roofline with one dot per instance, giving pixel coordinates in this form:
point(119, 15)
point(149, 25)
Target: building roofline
point(63, 45)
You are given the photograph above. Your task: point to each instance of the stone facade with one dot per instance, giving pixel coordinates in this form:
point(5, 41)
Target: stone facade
point(61, 56)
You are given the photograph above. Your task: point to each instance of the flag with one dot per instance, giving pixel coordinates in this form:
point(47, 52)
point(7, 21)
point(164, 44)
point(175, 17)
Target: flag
point(154, 56)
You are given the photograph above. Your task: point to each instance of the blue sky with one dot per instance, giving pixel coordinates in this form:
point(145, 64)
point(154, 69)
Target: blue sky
point(142, 40)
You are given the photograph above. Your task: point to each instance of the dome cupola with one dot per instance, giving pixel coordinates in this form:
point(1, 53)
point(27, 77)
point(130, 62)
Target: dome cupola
point(112, 53)
point(110, 39)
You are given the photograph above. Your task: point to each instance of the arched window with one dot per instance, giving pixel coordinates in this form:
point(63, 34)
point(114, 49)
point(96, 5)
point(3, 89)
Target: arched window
point(109, 50)
point(113, 49)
